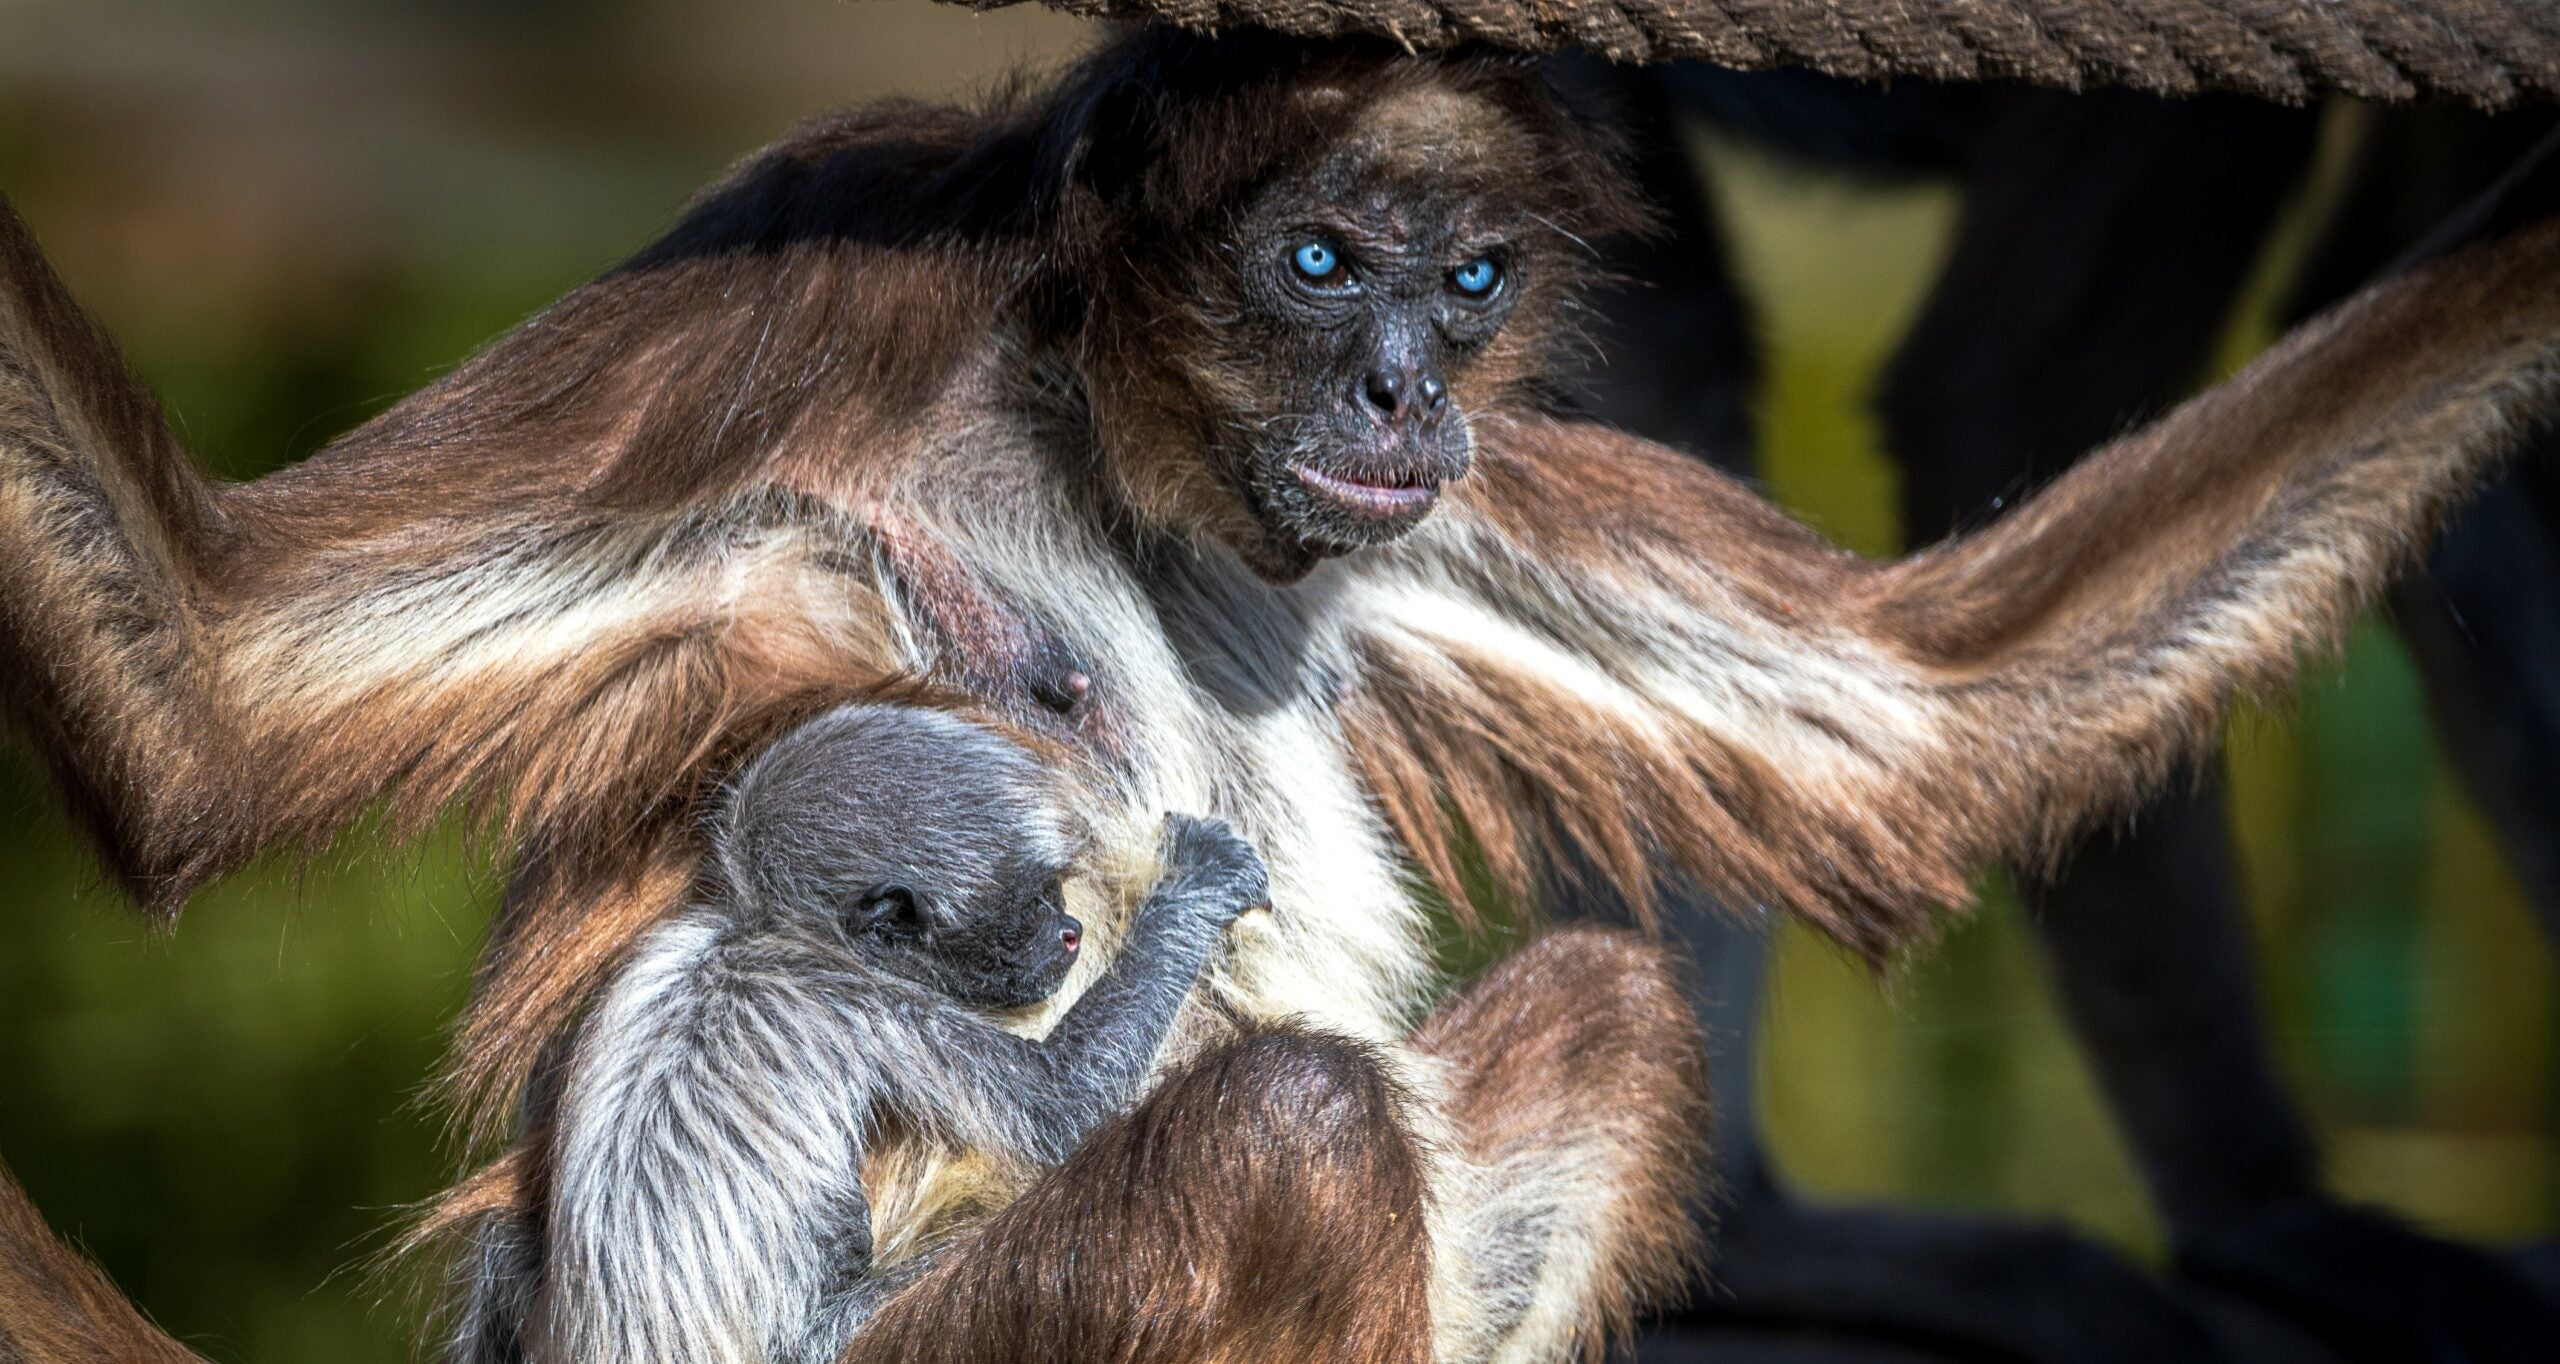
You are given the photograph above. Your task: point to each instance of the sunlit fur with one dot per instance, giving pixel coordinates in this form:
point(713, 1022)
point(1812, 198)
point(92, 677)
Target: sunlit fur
point(56, 1308)
point(903, 408)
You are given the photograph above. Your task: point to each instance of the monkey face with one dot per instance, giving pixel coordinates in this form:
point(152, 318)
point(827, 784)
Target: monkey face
point(932, 847)
point(1372, 305)
point(1001, 948)
point(1331, 278)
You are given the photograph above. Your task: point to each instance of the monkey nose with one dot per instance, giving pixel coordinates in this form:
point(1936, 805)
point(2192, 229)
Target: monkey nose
point(1384, 388)
point(1397, 393)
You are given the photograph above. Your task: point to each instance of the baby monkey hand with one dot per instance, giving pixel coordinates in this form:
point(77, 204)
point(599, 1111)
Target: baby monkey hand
point(1210, 872)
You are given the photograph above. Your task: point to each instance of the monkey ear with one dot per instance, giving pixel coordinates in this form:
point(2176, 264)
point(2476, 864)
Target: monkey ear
point(1099, 140)
point(885, 907)
point(1102, 151)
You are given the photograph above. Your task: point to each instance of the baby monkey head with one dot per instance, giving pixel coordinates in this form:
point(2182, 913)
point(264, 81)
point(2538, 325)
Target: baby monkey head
point(932, 848)
point(1325, 268)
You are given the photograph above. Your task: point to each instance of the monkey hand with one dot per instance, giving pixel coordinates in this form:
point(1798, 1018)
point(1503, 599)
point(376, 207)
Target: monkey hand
point(1210, 872)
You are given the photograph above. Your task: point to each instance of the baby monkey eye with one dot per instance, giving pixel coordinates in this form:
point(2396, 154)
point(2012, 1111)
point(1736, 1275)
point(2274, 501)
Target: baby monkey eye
point(1477, 277)
point(1318, 262)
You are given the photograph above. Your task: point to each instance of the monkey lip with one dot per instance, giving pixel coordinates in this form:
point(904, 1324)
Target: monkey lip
point(1381, 501)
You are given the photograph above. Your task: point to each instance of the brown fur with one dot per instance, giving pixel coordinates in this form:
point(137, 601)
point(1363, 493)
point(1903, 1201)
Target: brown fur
point(56, 1308)
point(1578, 1023)
point(513, 1184)
point(2063, 660)
point(1264, 1204)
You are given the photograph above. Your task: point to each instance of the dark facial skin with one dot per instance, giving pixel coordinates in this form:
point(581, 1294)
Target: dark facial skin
point(1369, 309)
point(1002, 949)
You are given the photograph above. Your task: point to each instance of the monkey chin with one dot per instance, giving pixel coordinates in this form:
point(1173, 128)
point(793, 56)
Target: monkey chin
point(1305, 512)
point(1299, 528)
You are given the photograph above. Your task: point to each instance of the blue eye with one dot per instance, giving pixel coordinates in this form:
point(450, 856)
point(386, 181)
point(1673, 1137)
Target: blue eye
point(1316, 261)
point(1476, 277)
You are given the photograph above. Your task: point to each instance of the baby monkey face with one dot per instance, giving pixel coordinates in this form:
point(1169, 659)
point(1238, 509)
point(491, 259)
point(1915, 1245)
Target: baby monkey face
point(998, 945)
point(933, 848)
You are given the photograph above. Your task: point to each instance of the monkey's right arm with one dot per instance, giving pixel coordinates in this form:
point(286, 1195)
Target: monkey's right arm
point(1040, 1100)
point(462, 601)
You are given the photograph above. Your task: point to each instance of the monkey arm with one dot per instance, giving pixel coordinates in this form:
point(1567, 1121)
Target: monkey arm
point(463, 601)
point(1658, 663)
point(1038, 1101)
point(58, 1308)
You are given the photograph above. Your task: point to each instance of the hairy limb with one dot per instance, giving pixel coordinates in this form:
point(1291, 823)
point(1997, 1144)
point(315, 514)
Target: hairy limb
point(56, 1308)
point(1577, 1101)
point(1265, 1203)
point(1852, 741)
point(463, 602)
point(445, 606)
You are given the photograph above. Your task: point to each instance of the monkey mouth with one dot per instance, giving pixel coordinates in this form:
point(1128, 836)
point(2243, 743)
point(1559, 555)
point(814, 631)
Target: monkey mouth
point(1395, 498)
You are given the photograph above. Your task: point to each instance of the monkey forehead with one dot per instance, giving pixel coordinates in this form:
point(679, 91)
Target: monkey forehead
point(1419, 163)
point(870, 740)
point(875, 783)
point(1430, 129)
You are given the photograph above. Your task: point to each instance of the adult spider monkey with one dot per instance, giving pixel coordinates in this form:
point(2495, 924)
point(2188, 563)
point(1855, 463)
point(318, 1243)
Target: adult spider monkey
point(1199, 410)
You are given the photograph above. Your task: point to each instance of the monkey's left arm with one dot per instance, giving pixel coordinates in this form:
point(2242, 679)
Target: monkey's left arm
point(1669, 668)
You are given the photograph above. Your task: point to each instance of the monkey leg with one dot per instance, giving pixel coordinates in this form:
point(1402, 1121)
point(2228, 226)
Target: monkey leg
point(1575, 1102)
point(1267, 1202)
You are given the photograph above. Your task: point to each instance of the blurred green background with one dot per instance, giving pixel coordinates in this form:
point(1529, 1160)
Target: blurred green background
point(291, 213)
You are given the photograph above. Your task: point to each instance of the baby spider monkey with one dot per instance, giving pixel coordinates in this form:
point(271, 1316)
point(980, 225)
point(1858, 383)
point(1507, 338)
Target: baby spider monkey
point(883, 878)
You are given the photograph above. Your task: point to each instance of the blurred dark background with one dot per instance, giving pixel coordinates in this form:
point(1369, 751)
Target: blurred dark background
point(292, 212)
